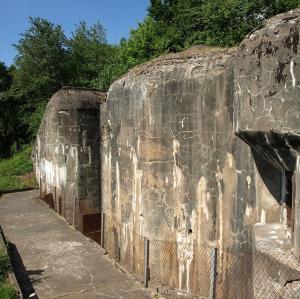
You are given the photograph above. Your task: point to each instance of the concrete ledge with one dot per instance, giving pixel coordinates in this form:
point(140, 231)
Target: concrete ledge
point(16, 190)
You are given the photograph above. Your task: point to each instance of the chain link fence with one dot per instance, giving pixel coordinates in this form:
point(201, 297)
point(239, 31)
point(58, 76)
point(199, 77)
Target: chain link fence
point(203, 271)
point(277, 274)
point(124, 245)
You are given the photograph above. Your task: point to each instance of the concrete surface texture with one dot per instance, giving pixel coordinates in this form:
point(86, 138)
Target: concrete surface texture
point(60, 261)
point(271, 235)
point(67, 155)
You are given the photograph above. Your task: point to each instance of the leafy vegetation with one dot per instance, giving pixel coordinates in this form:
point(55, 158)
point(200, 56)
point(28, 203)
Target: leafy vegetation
point(7, 291)
point(16, 172)
point(174, 25)
point(5, 265)
point(47, 59)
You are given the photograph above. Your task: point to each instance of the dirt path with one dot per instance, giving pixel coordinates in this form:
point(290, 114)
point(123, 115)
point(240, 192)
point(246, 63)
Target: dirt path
point(59, 261)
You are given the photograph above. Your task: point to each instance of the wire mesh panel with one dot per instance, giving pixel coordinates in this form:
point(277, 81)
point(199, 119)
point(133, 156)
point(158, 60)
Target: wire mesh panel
point(256, 274)
point(163, 263)
point(111, 237)
point(183, 266)
point(132, 252)
point(125, 246)
point(126, 250)
point(201, 276)
point(235, 274)
point(276, 274)
point(204, 270)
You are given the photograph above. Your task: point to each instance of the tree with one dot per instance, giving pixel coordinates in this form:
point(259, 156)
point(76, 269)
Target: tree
point(227, 22)
point(151, 39)
point(41, 69)
point(5, 78)
point(89, 56)
point(41, 60)
point(8, 113)
point(218, 22)
point(47, 60)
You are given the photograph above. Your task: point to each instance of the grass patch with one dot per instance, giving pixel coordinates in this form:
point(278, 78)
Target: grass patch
point(7, 291)
point(5, 265)
point(16, 172)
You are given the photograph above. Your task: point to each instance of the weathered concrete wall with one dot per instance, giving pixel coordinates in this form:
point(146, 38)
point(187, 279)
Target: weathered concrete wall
point(172, 168)
point(176, 161)
point(67, 156)
point(168, 155)
point(268, 108)
point(268, 73)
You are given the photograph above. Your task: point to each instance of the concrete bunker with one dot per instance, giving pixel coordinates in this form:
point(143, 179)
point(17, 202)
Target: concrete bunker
point(173, 170)
point(169, 173)
point(67, 157)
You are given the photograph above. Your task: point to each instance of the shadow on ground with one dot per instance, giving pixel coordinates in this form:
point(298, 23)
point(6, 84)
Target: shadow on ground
point(23, 276)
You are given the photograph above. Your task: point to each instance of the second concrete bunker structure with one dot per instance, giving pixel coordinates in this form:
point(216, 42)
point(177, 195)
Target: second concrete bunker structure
point(67, 157)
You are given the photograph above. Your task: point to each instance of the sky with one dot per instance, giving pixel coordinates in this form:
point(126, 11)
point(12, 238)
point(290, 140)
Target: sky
point(116, 16)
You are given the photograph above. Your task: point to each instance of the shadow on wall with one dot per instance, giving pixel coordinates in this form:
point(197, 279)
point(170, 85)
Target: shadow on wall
point(274, 155)
point(270, 175)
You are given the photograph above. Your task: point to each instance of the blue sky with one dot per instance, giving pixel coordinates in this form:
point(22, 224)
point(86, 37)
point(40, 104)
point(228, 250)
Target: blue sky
point(116, 16)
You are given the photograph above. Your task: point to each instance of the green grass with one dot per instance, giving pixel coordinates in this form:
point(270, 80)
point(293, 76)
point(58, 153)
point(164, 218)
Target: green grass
point(7, 291)
point(15, 172)
point(5, 265)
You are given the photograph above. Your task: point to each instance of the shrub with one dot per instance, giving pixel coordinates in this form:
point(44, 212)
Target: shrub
point(5, 265)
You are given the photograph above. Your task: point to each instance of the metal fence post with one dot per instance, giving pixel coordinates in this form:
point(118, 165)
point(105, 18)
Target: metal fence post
point(74, 212)
point(146, 262)
point(41, 187)
point(119, 243)
point(102, 229)
point(213, 273)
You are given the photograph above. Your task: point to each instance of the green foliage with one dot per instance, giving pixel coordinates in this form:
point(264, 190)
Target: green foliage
point(46, 61)
point(89, 53)
point(8, 113)
point(5, 78)
point(7, 291)
point(174, 25)
point(226, 22)
point(5, 265)
point(41, 69)
point(149, 40)
point(10, 183)
point(17, 165)
point(13, 170)
point(34, 119)
point(41, 61)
